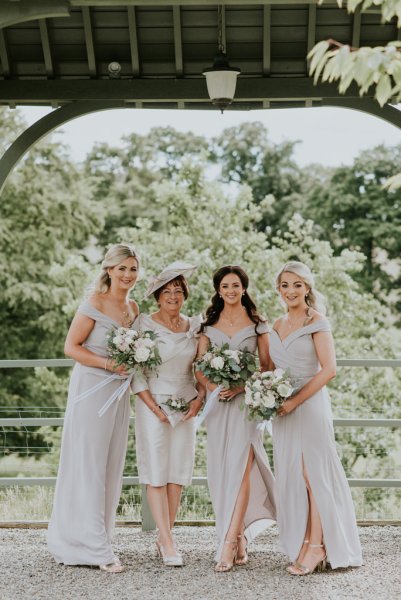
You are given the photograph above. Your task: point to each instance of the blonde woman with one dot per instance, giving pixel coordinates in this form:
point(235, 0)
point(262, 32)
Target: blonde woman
point(316, 515)
point(96, 422)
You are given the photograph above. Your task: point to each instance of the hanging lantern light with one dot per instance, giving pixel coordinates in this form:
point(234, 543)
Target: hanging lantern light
point(221, 79)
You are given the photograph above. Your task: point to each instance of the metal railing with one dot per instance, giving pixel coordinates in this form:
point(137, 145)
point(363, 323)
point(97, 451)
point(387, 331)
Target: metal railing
point(147, 520)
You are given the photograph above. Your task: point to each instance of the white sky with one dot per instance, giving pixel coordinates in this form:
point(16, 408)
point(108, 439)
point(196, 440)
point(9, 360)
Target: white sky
point(329, 136)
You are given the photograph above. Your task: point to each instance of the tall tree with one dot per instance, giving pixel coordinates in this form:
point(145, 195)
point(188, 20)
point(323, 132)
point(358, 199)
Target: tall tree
point(247, 156)
point(122, 176)
point(47, 220)
point(354, 211)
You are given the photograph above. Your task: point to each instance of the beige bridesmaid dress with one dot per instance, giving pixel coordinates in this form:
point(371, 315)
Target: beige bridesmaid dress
point(230, 436)
point(307, 433)
point(92, 458)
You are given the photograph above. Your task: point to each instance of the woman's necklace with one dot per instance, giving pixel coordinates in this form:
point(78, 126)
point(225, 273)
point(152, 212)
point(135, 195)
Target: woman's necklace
point(292, 324)
point(127, 319)
point(231, 322)
point(170, 323)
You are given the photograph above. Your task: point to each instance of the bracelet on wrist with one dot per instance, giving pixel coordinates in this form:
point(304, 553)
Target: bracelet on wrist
point(105, 364)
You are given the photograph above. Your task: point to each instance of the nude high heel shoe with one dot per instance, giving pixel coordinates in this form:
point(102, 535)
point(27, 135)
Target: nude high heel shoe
point(223, 566)
point(241, 561)
point(114, 567)
point(169, 561)
point(303, 570)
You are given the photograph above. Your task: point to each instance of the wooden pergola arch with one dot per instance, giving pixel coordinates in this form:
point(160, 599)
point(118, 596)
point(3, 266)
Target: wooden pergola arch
point(57, 53)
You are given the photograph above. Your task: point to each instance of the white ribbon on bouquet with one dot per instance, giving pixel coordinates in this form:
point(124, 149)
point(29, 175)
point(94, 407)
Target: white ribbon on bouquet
point(265, 426)
point(116, 395)
point(209, 406)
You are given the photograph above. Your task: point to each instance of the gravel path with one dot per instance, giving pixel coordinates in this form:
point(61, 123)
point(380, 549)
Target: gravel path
point(27, 571)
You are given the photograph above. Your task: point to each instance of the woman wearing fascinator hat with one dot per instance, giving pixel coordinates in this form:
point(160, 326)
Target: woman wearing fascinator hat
point(165, 439)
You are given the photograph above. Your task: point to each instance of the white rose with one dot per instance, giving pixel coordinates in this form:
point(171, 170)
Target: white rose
point(234, 355)
point(257, 384)
point(131, 333)
point(123, 345)
point(284, 390)
point(269, 401)
point(142, 354)
point(278, 373)
point(217, 363)
point(267, 374)
point(121, 330)
point(257, 397)
point(207, 357)
point(148, 343)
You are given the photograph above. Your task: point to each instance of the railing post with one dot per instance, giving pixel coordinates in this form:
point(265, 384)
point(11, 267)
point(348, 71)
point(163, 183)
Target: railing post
point(148, 523)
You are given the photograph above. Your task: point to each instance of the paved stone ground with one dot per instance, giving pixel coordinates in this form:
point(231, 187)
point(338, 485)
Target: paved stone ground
point(28, 573)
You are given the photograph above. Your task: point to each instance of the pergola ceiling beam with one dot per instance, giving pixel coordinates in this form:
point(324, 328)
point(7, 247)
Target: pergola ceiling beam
point(47, 55)
point(168, 90)
point(266, 39)
point(5, 60)
point(12, 13)
point(179, 68)
point(388, 113)
point(133, 40)
point(43, 127)
point(90, 46)
point(193, 2)
point(356, 29)
point(311, 29)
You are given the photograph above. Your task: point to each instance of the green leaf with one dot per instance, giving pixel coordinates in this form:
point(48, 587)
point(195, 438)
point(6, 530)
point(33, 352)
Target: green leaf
point(383, 90)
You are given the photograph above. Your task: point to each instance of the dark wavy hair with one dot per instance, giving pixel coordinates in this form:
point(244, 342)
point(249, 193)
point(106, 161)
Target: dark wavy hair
point(213, 311)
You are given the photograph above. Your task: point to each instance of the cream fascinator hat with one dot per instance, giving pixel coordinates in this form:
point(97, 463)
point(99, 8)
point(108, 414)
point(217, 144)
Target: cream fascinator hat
point(169, 273)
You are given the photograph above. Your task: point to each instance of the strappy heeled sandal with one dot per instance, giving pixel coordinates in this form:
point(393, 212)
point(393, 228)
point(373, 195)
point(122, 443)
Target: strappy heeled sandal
point(294, 563)
point(241, 561)
point(304, 570)
point(113, 567)
point(225, 567)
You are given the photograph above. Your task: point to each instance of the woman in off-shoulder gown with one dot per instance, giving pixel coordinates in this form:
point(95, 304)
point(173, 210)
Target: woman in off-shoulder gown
point(316, 515)
point(240, 481)
point(96, 422)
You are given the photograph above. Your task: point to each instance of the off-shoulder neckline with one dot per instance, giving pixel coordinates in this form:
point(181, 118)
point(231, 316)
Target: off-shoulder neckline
point(282, 340)
point(108, 316)
point(235, 334)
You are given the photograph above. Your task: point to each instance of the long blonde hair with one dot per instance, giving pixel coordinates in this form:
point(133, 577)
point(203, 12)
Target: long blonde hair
point(313, 299)
point(115, 255)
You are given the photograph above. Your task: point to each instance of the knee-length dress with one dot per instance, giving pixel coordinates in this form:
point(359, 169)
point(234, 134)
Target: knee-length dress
point(165, 454)
point(306, 435)
point(230, 436)
point(92, 458)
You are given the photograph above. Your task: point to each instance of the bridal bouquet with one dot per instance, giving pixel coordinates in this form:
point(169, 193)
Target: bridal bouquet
point(135, 349)
point(266, 392)
point(228, 368)
point(177, 404)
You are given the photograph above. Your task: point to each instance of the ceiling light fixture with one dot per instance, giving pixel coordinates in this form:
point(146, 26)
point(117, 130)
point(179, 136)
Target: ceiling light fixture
point(221, 79)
